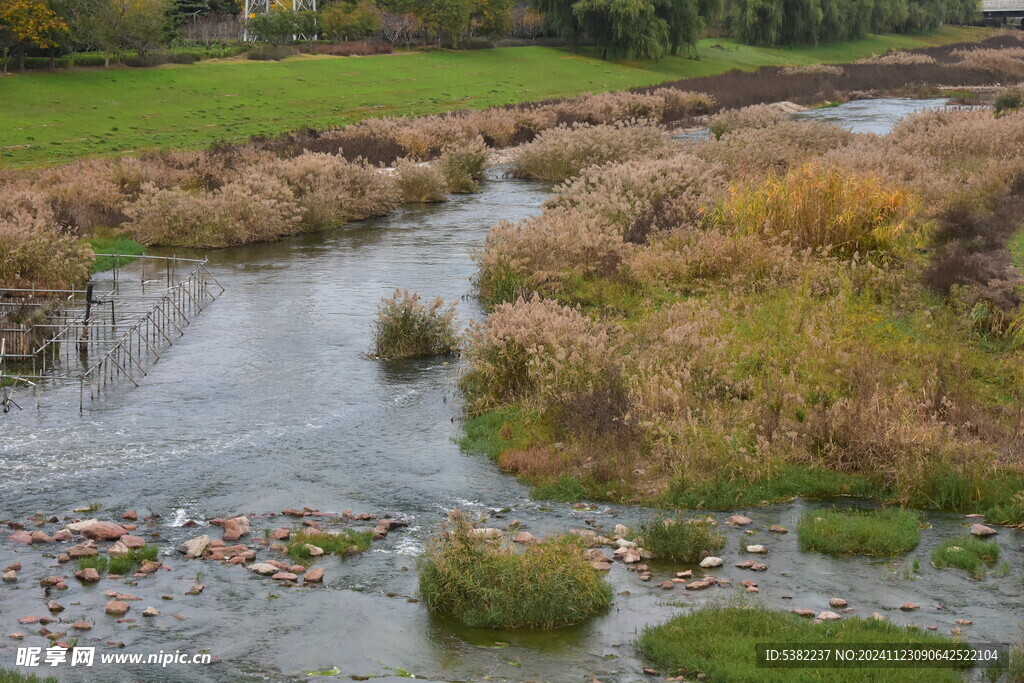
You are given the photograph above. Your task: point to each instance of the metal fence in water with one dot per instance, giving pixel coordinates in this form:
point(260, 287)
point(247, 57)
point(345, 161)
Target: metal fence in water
point(112, 330)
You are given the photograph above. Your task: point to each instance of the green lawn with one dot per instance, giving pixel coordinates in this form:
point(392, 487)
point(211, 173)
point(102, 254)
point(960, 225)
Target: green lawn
point(53, 117)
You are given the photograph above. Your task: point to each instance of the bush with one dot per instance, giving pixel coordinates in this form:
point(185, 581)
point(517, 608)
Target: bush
point(822, 208)
point(343, 543)
point(34, 251)
point(408, 328)
point(421, 182)
point(967, 553)
point(681, 539)
point(682, 645)
point(492, 584)
point(256, 208)
point(561, 153)
point(535, 351)
point(332, 191)
point(463, 165)
point(1008, 100)
point(883, 533)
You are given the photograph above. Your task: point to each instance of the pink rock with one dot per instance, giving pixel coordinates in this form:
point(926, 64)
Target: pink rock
point(776, 529)
point(130, 515)
point(81, 626)
point(77, 551)
point(390, 524)
point(280, 534)
point(982, 531)
point(666, 585)
point(285, 576)
point(909, 606)
point(88, 575)
point(133, 541)
point(315, 575)
point(297, 569)
point(13, 567)
point(292, 512)
point(601, 566)
point(195, 589)
point(149, 566)
point(103, 531)
point(50, 581)
point(117, 608)
point(31, 619)
point(524, 537)
point(22, 537)
point(739, 520)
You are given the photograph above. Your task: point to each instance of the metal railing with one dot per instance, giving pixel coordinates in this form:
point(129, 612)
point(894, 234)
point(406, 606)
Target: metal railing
point(74, 337)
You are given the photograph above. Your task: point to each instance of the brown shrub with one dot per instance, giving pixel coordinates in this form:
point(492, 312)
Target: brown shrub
point(256, 207)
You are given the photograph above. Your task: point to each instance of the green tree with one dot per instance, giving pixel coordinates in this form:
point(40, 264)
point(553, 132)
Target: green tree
point(758, 22)
point(686, 19)
point(624, 28)
point(560, 17)
point(341, 21)
point(277, 28)
point(447, 17)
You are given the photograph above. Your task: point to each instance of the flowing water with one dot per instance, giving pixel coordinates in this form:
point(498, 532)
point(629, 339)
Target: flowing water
point(268, 402)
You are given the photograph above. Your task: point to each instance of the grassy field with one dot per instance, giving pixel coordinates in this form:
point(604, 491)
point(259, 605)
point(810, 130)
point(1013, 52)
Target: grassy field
point(53, 117)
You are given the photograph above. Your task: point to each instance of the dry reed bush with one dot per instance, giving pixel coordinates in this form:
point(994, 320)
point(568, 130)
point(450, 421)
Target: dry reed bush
point(83, 195)
point(830, 69)
point(817, 208)
point(1004, 63)
point(408, 327)
point(332, 190)
point(692, 261)
point(535, 351)
point(255, 208)
point(756, 116)
point(34, 251)
point(898, 58)
point(751, 152)
point(643, 196)
point(421, 182)
point(560, 153)
point(547, 248)
point(463, 165)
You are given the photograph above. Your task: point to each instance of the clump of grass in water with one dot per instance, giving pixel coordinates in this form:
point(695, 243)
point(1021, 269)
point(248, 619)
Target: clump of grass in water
point(408, 328)
point(968, 553)
point(883, 533)
point(680, 539)
point(492, 584)
point(120, 564)
point(463, 165)
point(342, 543)
point(682, 645)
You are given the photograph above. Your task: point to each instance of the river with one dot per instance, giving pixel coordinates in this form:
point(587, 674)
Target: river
point(268, 402)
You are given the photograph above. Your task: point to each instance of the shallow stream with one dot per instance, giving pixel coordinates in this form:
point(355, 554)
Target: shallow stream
point(267, 402)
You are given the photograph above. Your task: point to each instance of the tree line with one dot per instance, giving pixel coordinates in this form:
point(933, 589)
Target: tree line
point(640, 29)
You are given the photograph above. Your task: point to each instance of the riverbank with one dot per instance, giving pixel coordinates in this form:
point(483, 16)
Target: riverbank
point(771, 313)
point(110, 113)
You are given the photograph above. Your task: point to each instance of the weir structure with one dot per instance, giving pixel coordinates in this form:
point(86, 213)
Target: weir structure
point(111, 330)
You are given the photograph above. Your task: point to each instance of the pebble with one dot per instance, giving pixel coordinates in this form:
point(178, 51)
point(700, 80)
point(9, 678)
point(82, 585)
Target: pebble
point(982, 531)
point(837, 602)
point(117, 608)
